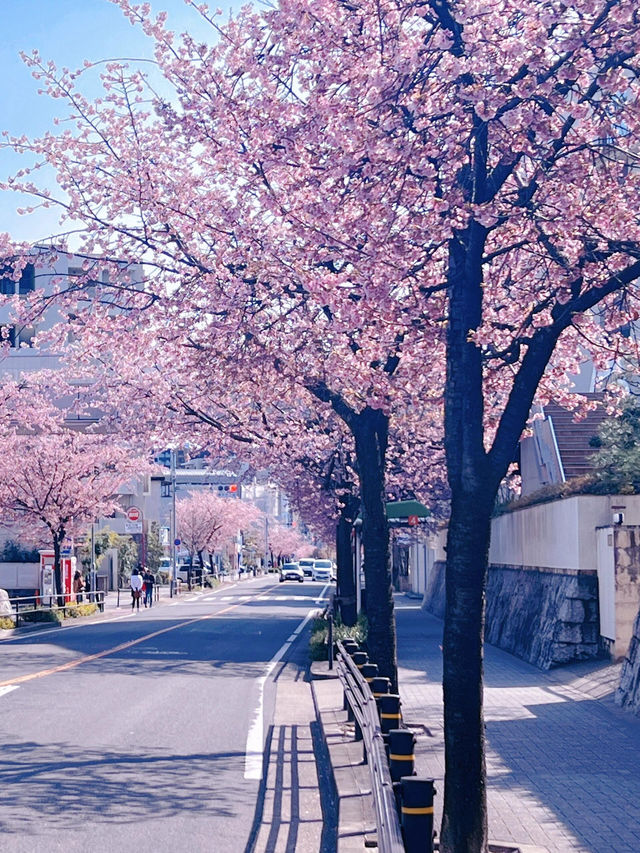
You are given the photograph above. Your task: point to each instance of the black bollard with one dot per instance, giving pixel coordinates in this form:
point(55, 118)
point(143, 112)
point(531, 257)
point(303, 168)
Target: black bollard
point(401, 757)
point(369, 672)
point(417, 814)
point(350, 646)
point(380, 686)
point(389, 709)
point(360, 658)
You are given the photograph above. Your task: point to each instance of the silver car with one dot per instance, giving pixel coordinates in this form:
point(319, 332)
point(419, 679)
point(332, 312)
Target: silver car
point(291, 572)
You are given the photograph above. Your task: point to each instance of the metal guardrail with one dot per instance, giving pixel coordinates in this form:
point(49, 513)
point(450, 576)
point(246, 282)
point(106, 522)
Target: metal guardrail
point(25, 605)
point(126, 590)
point(363, 706)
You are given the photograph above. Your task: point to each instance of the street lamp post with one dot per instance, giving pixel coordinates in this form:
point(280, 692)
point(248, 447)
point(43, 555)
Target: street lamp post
point(174, 570)
point(92, 581)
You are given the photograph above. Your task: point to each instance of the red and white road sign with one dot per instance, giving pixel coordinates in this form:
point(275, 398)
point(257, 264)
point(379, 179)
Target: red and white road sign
point(134, 513)
point(413, 520)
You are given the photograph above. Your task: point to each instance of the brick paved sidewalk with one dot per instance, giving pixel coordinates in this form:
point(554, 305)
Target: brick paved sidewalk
point(563, 761)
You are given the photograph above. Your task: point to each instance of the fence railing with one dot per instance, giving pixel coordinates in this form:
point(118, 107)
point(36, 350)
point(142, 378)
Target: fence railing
point(403, 802)
point(33, 608)
point(125, 592)
point(361, 704)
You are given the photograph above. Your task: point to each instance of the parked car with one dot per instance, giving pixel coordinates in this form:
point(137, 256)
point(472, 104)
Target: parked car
point(306, 564)
point(182, 572)
point(291, 572)
point(322, 570)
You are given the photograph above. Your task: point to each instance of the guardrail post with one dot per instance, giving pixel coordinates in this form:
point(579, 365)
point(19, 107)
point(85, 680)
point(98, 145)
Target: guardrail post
point(417, 814)
point(401, 757)
point(389, 711)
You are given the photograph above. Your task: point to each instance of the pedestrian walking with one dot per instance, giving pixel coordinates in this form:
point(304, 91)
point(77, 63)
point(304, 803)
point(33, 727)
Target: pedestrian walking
point(78, 586)
point(136, 589)
point(149, 581)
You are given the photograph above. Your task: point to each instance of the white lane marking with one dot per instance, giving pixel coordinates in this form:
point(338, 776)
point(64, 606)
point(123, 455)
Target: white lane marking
point(321, 597)
point(8, 688)
point(255, 736)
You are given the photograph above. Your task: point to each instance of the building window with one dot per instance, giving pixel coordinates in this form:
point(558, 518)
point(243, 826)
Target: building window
point(26, 336)
point(165, 489)
point(8, 333)
point(27, 281)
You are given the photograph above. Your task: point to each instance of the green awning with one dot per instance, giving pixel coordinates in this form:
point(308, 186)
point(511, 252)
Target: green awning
point(401, 510)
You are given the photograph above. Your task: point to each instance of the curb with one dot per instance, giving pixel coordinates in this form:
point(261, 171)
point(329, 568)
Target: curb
point(107, 613)
point(356, 823)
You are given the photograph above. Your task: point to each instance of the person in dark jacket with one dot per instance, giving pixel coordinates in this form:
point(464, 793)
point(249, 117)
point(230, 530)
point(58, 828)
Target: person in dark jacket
point(149, 581)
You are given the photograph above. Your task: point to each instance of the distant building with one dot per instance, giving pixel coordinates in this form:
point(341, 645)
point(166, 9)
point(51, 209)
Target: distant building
point(558, 447)
point(43, 273)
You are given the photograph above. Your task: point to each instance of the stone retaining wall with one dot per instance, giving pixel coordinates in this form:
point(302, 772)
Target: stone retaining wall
point(628, 693)
point(548, 617)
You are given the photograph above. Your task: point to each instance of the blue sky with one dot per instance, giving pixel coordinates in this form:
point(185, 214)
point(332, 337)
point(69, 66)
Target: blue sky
point(67, 31)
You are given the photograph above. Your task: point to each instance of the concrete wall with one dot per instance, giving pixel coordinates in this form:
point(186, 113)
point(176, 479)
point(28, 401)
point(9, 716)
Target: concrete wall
point(19, 576)
point(560, 534)
point(625, 542)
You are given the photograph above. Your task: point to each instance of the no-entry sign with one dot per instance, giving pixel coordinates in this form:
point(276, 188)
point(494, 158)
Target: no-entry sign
point(134, 513)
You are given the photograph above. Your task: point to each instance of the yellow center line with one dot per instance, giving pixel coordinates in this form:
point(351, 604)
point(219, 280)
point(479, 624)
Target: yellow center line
point(88, 658)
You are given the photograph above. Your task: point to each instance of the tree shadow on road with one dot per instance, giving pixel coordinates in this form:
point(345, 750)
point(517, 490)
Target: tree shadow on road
point(52, 782)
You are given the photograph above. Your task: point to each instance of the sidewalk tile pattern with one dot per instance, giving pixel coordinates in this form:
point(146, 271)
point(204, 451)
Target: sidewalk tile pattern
point(563, 762)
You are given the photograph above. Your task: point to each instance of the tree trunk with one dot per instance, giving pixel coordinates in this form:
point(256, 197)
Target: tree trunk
point(370, 430)
point(57, 570)
point(473, 489)
point(344, 558)
point(464, 824)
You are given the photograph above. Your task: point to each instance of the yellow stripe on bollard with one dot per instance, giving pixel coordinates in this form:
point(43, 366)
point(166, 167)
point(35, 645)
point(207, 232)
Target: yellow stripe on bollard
point(390, 716)
point(394, 757)
point(413, 810)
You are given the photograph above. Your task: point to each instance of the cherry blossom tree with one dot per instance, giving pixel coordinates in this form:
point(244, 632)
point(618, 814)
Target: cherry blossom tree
point(284, 542)
point(206, 522)
point(400, 211)
point(54, 485)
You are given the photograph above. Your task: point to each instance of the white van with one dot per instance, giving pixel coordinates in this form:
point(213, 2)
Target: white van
point(322, 570)
point(306, 564)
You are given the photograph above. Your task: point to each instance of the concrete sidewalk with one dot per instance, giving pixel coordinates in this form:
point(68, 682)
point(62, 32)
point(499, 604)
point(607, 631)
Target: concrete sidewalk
point(562, 760)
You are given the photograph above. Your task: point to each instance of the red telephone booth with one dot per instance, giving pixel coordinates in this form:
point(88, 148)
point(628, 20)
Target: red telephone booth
point(67, 570)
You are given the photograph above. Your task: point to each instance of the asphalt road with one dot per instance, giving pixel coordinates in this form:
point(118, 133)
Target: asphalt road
point(146, 732)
